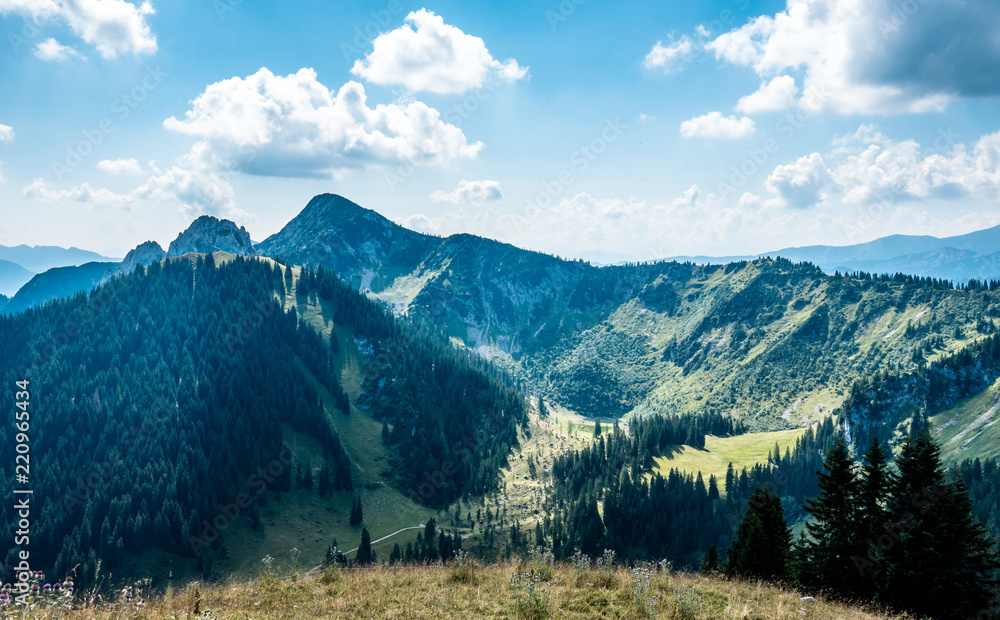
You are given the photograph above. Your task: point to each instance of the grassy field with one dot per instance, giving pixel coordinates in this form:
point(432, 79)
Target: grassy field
point(742, 451)
point(968, 430)
point(479, 592)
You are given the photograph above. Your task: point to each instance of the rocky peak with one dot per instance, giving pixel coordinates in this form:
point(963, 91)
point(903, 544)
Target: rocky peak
point(143, 254)
point(209, 234)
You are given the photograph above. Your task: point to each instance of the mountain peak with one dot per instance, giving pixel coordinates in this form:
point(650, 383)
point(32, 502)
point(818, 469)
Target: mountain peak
point(209, 234)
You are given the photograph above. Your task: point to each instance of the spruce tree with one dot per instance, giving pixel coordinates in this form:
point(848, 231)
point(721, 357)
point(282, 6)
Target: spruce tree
point(357, 513)
point(710, 563)
point(761, 547)
point(872, 517)
point(942, 563)
point(365, 555)
point(832, 534)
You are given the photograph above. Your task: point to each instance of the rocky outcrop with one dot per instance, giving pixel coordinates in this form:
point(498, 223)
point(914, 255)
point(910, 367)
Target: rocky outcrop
point(209, 234)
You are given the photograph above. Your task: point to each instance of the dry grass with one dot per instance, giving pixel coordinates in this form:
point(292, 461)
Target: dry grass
point(436, 593)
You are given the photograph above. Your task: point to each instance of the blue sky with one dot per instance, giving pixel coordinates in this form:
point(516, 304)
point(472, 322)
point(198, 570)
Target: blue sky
point(577, 128)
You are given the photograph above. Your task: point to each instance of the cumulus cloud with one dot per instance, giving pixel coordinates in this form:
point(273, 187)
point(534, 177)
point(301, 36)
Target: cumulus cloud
point(192, 183)
point(715, 125)
point(669, 57)
point(6, 133)
point(51, 50)
point(426, 54)
point(470, 192)
point(875, 56)
point(119, 166)
point(113, 27)
point(295, 126)
point(800, 184)
point(39, 190)
point(778, 94)
point(688, 199)
point(874, 168)
point(867, 167)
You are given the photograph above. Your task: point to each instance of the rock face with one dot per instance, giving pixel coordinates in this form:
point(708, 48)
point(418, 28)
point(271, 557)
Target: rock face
point(143, 254)
point(209, 234)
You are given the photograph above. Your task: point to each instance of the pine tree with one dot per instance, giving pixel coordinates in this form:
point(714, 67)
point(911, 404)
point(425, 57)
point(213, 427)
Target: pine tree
point(942, 563)
point(872, 517)
point(365, 555)
point(730, 481)
point(597, 429)
point(832, 541)
point(713, 488)
point(761, 547)
point(357, 513)
point(710, 563)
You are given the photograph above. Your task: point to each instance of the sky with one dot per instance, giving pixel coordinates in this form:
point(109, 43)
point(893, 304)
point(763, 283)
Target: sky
point(574, 127)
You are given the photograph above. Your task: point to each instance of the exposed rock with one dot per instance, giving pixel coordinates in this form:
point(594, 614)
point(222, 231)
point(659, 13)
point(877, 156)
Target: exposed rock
point(209, 234)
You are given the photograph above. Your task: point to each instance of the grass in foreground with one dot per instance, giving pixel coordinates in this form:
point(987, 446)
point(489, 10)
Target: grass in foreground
point(481, 592)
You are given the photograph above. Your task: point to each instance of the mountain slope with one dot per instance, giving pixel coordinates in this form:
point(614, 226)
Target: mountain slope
point(57, 283)
point(778, 343)
point(167, 391)
point(12, 277)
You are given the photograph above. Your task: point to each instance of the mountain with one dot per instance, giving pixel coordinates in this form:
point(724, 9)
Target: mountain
point(208, 234)
point(143, 254)
point(41, 258)
point(57, 283)
point(776, 343)
point(959, 258)
point(12, 277)
point(170, 393)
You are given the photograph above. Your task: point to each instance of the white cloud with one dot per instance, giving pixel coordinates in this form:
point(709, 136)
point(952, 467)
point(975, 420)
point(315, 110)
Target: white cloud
point(778, 94)
point(867, 167)
point(114, 27)
point(800, 183)
point(51, 50)
point(877, 169)
point(875, 56)
point(715, 125)
point(295, 126)
point(669, 57)
point(3, 179)
point(6, 133)
point(470, 192)
point(425, 54)
point(688, 199)
point(193, 184)
point(39, 190)
point(119, 166)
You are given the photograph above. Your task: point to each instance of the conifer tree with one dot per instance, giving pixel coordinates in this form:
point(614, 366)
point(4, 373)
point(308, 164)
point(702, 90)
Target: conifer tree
point(943, 562)
point(761, 547)
point(357, 513)
point(365, 555)
point(832, 534)
point(710, 563)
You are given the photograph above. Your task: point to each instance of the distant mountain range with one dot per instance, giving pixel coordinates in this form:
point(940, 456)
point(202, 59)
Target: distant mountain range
point(19, 263)
point(959, 258)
